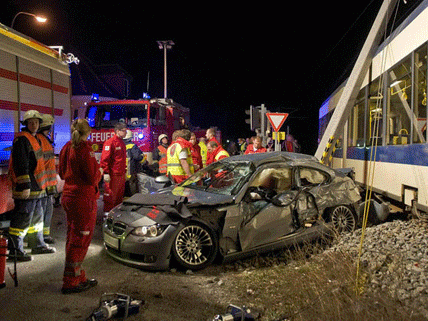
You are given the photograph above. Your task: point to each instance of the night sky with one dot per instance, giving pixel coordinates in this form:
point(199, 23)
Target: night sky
point(226, 57)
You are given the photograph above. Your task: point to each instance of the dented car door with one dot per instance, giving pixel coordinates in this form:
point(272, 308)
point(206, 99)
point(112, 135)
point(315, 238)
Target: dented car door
point(263, 220)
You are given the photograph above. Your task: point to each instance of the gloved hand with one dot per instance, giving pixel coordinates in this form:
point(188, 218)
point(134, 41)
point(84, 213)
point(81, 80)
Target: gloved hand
point(107, 178)
point(26, 193)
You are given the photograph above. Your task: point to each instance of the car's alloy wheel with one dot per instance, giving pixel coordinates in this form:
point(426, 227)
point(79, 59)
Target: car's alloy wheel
point(195, 246)
point(343, 219)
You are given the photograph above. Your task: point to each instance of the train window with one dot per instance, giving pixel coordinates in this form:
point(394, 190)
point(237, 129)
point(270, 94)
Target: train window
point(356, 121)
point(399, 109)
point(420, 101)
point(375, 124)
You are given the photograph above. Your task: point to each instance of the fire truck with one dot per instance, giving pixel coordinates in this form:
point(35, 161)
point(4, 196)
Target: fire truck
point(146, 118)
point(32, 76)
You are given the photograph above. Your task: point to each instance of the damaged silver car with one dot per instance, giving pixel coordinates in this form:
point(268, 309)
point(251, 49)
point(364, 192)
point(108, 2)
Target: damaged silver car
point(238, 206)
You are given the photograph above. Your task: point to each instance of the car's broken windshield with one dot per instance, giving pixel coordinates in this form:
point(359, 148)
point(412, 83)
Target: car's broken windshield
point(221, 178)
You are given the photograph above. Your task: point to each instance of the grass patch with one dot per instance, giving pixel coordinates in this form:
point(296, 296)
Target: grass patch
point(319, 287)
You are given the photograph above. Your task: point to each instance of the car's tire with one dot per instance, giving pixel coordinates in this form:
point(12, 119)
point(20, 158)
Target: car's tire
point(195, 246)
point(343, 219)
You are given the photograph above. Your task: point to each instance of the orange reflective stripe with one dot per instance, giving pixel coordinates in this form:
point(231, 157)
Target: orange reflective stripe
point(49, 158)
point(163, 161)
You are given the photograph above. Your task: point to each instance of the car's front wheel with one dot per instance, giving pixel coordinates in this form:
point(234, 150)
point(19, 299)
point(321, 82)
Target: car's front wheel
point(195, 246)
point(343, 219)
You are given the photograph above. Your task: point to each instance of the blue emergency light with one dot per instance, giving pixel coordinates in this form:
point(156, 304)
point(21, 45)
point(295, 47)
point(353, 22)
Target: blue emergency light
point(95, 97)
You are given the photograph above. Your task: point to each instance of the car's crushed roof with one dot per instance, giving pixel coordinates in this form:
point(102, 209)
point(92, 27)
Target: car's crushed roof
point(262, 158)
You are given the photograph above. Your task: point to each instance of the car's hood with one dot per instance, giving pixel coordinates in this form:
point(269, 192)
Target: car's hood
point(197, 197)
point(168, 206)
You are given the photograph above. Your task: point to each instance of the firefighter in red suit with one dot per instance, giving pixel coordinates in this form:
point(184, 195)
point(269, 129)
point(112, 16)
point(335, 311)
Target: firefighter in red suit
point(210, 135)
point(215, 152)
point(82, 174)
point(196, 153)
point(256, 147)
point(113, 162)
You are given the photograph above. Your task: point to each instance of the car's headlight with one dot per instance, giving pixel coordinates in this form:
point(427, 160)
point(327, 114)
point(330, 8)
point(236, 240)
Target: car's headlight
point(148, 230)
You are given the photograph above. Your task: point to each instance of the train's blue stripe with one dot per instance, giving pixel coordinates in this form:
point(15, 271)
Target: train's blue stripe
point(416, 154)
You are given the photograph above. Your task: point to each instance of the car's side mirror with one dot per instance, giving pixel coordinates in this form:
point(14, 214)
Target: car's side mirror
point(163, 179)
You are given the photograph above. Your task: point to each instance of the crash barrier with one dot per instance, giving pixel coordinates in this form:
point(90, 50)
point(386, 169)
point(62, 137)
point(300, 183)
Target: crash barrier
point(115, 305)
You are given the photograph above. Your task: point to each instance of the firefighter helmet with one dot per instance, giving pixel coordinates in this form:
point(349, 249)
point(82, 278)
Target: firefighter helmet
point(32, 114)
point(162, 136)
point(128, 134)
point(47, 120)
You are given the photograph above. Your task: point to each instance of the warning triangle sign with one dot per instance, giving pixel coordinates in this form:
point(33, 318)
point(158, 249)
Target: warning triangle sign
point(276, 120)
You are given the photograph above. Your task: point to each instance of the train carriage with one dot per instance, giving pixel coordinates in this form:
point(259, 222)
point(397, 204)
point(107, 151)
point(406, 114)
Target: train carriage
point(388, 122)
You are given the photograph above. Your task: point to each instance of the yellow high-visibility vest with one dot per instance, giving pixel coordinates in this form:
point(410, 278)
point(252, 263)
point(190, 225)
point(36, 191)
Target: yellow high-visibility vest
point(173, 160)
point(204, 152)
point(221, 153)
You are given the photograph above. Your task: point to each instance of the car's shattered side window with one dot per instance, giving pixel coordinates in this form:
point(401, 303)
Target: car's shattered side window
point(311, 176)
point(220, 178)
point(276, 179)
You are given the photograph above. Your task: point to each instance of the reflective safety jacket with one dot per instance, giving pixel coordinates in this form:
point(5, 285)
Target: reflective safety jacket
point(163, 159)
point(250, 150)
point(27, 166)
point(216, 155)
point(204, 152)
point(134, 159)
point(173, 159)
point(49, 157)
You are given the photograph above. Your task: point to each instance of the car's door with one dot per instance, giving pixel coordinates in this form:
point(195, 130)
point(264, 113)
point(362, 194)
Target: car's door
point(310, 182)
point(263, 221)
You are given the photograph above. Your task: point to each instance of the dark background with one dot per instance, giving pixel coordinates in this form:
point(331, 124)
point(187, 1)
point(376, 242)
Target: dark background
point(226, 56)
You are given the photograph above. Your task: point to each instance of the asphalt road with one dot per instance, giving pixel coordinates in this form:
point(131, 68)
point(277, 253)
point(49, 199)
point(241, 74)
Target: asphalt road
point(166, 295)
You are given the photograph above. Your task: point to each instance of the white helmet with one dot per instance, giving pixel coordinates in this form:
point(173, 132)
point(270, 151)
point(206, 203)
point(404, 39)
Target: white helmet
point(129, 134)
point(32, 114)
point(162, 136)
point(47, 120)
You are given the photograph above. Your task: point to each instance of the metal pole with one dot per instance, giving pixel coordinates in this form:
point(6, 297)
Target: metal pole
point(263, 124)
point(164, 72)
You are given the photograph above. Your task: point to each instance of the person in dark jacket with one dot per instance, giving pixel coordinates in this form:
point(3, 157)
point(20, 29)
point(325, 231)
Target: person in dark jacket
point(29, 182)
point(134, 159)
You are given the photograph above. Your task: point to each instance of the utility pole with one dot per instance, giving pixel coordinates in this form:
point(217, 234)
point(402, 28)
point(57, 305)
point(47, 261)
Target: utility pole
point(165, 45)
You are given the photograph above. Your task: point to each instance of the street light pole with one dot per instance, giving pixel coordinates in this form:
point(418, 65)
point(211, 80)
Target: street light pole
point(164, 45)
point(38, 18)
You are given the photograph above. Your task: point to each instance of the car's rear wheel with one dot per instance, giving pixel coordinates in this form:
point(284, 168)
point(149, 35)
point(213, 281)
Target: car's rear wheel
point(195, 246)
point(343, 219)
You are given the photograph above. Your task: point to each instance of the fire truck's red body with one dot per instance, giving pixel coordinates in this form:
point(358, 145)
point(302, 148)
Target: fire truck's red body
point(147, 119)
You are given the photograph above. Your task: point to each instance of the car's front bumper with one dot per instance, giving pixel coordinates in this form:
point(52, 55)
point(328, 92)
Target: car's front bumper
point(152, 253)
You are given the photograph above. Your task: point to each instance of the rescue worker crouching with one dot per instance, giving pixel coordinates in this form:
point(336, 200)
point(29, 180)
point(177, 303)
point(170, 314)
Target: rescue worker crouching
point(51, 189)
point(179, 157)
point(29, 182)
point(215, 152)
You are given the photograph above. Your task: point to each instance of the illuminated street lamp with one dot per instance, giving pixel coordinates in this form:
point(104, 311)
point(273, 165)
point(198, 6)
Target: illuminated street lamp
point(38, 18)
point(165, 44)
